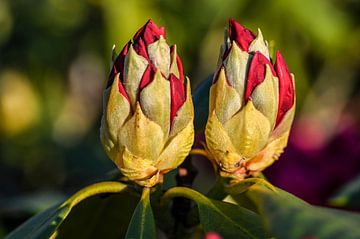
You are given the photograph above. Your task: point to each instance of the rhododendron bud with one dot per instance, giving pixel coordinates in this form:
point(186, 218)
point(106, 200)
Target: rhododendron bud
point(147, 125)
point(252, 104)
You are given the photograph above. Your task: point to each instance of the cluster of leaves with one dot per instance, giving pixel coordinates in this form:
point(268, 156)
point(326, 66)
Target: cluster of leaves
point(252, 208)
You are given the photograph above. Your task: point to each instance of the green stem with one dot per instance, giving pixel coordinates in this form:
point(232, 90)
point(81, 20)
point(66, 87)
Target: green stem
point(94, 189)
point(179, 192)
point(201, 152)
point(145, 196)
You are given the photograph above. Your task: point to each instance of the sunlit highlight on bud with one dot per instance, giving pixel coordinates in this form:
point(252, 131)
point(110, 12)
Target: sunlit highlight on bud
point(252, 104)
point(147, 125)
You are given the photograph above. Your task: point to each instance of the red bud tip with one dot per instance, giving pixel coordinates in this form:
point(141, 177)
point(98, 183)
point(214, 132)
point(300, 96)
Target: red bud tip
point(257, 71)
point(241, 35)
point(177, 92)
point(149, 33)
point(286, 87)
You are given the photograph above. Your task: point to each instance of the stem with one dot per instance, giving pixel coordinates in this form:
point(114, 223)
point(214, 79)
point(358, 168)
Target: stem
point(97, 188)
point(201, 152)
point(145, 194)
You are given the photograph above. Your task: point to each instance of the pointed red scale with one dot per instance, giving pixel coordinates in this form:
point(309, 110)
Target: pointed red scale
point(179, 63)
point(149, 33)
point(122, 90)
point(180, 68)
point(257, 71)
point(148, 76)
point(140, 48)
point(118, 65)
point(177, 93)
point(241, 35)
point(217, 74)
point(286, 87)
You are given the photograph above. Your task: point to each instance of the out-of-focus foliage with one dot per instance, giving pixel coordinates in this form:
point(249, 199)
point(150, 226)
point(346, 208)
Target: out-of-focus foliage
point(55, 55)
point(348, 196)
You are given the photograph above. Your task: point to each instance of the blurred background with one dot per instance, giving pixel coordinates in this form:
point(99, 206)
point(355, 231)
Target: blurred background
point(55, 57)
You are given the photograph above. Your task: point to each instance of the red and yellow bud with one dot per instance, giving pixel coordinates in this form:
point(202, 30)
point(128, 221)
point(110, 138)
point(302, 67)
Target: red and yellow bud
point(147, 124)
point(252, 105)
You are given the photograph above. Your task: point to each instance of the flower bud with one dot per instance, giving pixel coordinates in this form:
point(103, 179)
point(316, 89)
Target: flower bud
point(252, 105)
point(147, 124)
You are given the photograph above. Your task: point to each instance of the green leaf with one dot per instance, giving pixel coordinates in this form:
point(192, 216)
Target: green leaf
point(237, 191)
point(100, 216)
point(217, 191)
point(45, 224)
point(41, 225)
point(348, 196)
point(245, 184)
point(289, 217)
point(200, 99)
point(142, 224)
point(229, 220)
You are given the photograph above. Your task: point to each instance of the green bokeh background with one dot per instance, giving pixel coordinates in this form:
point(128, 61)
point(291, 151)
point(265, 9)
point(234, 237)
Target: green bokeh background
point(55, 56)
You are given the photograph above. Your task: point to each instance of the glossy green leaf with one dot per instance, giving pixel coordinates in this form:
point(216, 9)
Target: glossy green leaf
point(244, 185)
point(348, 196)
point(41, 225)
point(244, 201)
point(237, 191)
point(100, 216)
point(229, 220)
point(49, 222)
point(289, 217)
point(142, 224)
point(200, 98)
point(217, 191)
point(223, 187)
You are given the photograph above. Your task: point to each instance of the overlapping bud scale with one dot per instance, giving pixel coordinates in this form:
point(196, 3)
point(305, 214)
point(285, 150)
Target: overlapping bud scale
point(252, 105)
point(147, 125)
